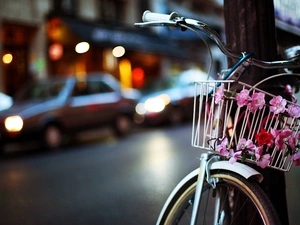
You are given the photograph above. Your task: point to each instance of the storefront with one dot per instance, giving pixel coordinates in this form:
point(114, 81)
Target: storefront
point(16, 39)
point(140, 55)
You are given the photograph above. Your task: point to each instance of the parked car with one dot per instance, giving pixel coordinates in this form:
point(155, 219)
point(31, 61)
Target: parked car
point(168, 100)
point(50, 109)
point(5, 101)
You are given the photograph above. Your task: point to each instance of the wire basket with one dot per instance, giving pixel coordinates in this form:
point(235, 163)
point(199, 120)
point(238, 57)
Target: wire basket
point(238, 121)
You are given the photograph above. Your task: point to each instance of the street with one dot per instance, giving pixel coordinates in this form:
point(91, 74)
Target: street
point(104, 181)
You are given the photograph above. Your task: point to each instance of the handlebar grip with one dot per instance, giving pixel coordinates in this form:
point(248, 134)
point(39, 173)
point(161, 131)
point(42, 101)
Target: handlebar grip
point(149, 16)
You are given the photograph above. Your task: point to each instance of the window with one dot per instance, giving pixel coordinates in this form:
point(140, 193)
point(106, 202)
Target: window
point(40, 91)
point(80, 89)
point(91, 87)
point(98, 87)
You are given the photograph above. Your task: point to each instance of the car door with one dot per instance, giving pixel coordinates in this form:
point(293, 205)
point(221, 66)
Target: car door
point(93, 104)
point(75, 114)
point(103, 103)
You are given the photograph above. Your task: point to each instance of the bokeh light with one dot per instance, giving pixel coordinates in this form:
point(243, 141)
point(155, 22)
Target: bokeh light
point(55, 51)
point(118, 51)
point(82, 47)
point(7, 58)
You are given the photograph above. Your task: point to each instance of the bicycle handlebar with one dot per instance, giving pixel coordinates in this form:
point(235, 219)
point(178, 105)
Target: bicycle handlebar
point(174, 20)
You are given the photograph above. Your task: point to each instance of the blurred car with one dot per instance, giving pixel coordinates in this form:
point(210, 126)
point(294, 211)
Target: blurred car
point(50, 109)
point(5, 101)
point(168, 100)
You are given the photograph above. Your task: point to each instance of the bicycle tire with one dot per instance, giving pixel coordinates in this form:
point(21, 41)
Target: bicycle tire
point(246, 203)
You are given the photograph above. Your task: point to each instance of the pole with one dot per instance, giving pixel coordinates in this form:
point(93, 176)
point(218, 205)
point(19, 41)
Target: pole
point(250, 27)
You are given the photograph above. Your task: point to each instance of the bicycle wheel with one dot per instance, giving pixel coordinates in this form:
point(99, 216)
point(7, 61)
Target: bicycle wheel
point(235, 200)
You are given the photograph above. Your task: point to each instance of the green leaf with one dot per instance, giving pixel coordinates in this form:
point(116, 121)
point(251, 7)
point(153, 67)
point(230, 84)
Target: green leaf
point(234, 93)
point(230, 94)
point(244, 157)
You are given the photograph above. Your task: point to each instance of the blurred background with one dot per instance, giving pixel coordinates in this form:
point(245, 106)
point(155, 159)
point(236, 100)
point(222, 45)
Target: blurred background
point(61, 38)
point(39, 39)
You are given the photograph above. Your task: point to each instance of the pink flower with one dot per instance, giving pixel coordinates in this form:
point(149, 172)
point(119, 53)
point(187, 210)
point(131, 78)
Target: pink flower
point(222, 148)
point(292, 142)
point(234, 156)
point(288, 89)
point(258, 152)
point(285, 133)
point(274, 132)
point(258, 101)
point(264, 161)
point(279, 143)
point(277, 104)
point(245, 145)
point(281, 136)
point(243, 98)
point(219, 94)
point(296, 159)
point(294, 111)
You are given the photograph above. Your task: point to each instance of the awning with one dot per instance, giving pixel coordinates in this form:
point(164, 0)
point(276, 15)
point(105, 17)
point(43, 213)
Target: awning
point(135, 39)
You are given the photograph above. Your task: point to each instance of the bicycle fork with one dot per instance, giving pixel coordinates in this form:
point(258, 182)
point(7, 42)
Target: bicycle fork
point(206, 160)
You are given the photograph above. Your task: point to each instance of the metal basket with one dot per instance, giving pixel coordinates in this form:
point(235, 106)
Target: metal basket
point(217, 116)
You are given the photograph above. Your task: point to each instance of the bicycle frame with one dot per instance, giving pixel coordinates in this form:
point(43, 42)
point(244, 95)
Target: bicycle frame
point(211, 161)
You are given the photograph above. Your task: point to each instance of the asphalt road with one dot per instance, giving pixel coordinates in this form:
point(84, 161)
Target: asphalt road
point(102, 180)
point(106, 181)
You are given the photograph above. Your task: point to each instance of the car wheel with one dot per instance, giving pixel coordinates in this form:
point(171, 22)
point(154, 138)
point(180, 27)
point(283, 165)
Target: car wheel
point(52, 137)
point(122, 125)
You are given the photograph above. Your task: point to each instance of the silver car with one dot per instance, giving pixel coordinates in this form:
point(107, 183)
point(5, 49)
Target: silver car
point(49, 110)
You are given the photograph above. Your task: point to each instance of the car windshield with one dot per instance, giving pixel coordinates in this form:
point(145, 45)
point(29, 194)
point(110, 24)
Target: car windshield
point(43, 90)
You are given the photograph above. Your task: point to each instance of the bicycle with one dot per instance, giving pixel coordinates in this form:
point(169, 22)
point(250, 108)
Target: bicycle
point(224, 189)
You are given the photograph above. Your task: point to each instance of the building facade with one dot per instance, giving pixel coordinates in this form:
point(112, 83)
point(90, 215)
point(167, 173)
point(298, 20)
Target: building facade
point(23, 35)
point(38, 40)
